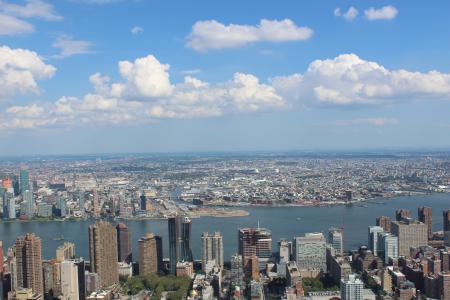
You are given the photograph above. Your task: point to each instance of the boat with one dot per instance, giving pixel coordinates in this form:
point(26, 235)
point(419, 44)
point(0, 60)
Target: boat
point(61, 238)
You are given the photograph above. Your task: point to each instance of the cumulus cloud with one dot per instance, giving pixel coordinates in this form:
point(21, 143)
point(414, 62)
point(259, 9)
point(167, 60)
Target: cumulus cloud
point(211, 34)
point(137, 30)
point(385, 13)
point(349, 15)
point(68, 46)
point(145, 93)
point(19, 71)
point(31, 9)
point(10, 25)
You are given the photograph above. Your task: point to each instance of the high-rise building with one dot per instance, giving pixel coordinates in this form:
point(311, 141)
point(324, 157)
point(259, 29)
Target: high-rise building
point(446, 215)
point(212, 249)
point(150, 254)
point(387, 246)
point(311, 252)
point(425, 215)
point(335, 239)
point(1, 259)
point(385, 223)
point(410, 233)
point(65, 251)
point(180, 247)
point(237, 270)
point(124, 243)
point(24, 181)
point(103, 252)
point(28, 263)
point(284, 250)
point(372, 238)
point(69, 280)
point(143, 202)
point(255, 242)
point(401, 214)
point(81, 200)
point(28, 200)
point(352, 288)
point(9, 206)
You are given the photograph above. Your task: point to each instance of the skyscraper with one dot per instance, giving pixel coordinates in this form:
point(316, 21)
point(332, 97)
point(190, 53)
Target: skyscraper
point(387, 246)
point(401, 214)
point(351, 288)
point(385, 223)
point(446, 215)
point(180, 248)
point(103, 252)
point(310, 252)
point(255, 242)
point(150, 254)
point(212, 249)
point(410, 233)
point(284, 250)
point(237, 270)
point(9, 206)
point(65, 251)
point(335, 239)
point(69, 280)
point(24, 181)
point(28, 256)
point(123, 243)
point(425, 216)
point(372, 238)
point(27, 196)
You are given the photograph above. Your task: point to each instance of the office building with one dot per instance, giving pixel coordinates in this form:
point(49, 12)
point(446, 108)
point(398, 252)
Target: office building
point(28, 201)
point(284, 251)
point(255, 242)
point(150, 254)
point(103, 252)
point(24, 181)
point(351, 288)
point(28, 263)
point(446, 215)
point(372, 238)
point(425, 215)
point(180, 247)
point(410, 233)
point(310, 252)
point(65, 251)
point(385, 223)
point(237, 270)
point(69, 280)
point(212, 249)
point(444, 285)
point(387, 246)
point(401, 214)
point(335, 239)
point(9, 206)
point(123, 243)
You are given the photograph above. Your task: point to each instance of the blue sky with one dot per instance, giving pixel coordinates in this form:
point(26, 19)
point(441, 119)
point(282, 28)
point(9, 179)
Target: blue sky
point(88, 76)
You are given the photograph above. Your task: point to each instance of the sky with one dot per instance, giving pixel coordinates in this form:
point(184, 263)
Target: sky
point(114, 76)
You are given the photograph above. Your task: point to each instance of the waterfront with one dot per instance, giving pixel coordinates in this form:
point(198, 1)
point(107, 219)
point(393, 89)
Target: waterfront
point(284, 222)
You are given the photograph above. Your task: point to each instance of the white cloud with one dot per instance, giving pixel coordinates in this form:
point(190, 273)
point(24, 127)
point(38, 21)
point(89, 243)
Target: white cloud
point(19, 71)
point(378, 122)
point(12, 26)
point(70, 47)
point(137, 30)
point(212, 34)
point(26, 111)
point(349, 15)
point(31, 9)
point(385, 13)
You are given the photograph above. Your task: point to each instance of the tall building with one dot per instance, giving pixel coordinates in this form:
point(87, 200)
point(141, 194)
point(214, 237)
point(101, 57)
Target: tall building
point(28, 200)
point(351, 288)
point(65, 251)
point(150, 254)
point(385, 223)
point(284, 250)
point(28, 263)
point(24, 181)
point(124, 243)
point(69, 280)
point(180, 247)
point(372, 238)
point(444, 285)
point(237, 270)
point(401, 214)
point(311, 252)
point(255, 242)
point(425, 215)
point(410, 233)
point(1, 259)
point(335, 239)
point(143, 202)
point(103, 252)
point(446, 215)
point(212, 249)
point(387, 246)
point(9, 206)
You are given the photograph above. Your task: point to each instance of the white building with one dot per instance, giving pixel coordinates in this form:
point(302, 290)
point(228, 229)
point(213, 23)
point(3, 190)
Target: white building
point(372, 238)
point(69, 280)
point(335, 239)
point(311, 252)
point(352, 288)
point(212, 249)
point(387, 245)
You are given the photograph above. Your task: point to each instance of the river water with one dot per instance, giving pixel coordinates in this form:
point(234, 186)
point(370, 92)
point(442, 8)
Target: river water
point(284, 222)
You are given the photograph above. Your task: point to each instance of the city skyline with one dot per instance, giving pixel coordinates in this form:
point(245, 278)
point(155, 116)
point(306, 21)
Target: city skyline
point(265, 77)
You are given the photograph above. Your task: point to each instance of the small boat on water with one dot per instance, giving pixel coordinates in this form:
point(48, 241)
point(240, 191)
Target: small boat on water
point(61, 238)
